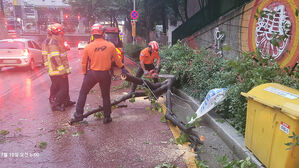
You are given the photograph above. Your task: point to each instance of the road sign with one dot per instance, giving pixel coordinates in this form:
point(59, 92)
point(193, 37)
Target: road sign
point(133, 28)
point(134, 14)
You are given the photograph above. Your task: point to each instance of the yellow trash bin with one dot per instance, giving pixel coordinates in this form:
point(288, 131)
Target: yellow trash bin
point(272, 116)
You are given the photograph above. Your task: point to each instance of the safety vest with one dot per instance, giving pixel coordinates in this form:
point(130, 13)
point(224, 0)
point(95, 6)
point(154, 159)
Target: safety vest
point(119, 53)
point(57, 58)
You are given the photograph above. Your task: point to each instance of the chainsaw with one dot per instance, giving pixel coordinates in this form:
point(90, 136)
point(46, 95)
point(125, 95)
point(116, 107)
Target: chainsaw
point(154, 74)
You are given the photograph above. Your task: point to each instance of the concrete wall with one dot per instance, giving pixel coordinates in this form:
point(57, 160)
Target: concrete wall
point(241, 32)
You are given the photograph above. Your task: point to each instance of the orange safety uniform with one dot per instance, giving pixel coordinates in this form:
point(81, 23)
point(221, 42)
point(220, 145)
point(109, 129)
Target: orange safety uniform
point(98, 56)
point(148, 58)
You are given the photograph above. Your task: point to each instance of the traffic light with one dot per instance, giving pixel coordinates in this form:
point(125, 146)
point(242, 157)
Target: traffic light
point(66, 16)
point(78, 17)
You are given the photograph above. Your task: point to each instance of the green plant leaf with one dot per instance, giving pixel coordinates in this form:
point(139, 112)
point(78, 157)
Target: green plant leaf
point(75, 134)
point(162, 119)
point(132, 100)
point(4, 132)
point(42, 145)
point(188, 118)
point(61, 131)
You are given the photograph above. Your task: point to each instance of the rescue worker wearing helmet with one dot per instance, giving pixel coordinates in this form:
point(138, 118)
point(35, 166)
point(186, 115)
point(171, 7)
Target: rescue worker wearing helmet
point(46, 63)
point(96, 64)
point(58, 67)
point(147, 58)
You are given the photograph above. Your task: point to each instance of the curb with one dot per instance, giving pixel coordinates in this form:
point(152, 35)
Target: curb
point(233, 139)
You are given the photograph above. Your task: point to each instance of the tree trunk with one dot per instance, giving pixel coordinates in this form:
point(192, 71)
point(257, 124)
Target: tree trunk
point(177, 11)
point(147, 20)
point(115, 21)
point(164, 20)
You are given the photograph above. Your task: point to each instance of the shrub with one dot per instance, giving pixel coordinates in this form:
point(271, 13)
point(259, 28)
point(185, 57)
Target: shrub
point(199, 71)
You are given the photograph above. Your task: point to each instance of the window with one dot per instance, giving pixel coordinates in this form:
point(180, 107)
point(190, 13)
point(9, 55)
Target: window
point(36, 45)
point(30, 45)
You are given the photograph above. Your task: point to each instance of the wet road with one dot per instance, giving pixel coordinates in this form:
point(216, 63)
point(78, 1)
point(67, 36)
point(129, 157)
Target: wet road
point(14, 78)
point(34, 136)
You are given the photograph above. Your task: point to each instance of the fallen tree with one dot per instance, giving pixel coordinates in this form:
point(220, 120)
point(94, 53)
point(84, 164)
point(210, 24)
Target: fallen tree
point(157, 89)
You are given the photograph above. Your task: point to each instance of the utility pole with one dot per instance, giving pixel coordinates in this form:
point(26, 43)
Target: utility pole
point(134, 22)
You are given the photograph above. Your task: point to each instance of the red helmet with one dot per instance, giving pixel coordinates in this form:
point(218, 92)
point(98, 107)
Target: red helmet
point(97, 29)
point(154, 45)
point(56, 29)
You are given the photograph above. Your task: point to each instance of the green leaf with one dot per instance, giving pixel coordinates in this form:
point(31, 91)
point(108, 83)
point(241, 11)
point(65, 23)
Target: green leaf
point(297, 12)
point(42, 145)
point(162, 119)
point(4, 132)
point(75, 134)
point(132, 100)
point(160, 110)
point(61, 131)
point(188, 118)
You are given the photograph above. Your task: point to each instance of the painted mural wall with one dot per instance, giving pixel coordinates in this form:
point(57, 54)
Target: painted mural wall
point(245, 29)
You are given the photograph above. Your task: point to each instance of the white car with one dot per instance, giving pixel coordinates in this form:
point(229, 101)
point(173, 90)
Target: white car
point(20, 53)
point(82, 44)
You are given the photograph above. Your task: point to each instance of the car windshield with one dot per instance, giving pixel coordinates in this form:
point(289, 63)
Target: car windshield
point(112, 37)
point(12, 45)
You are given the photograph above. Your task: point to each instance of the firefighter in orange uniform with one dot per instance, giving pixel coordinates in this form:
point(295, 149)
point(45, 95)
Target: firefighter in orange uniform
point(147, 58)
point(58, 67)
point(96, 64)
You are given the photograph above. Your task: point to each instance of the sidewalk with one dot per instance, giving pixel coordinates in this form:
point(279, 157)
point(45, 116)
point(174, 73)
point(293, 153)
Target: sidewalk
point(221, 138)
point(136, 137)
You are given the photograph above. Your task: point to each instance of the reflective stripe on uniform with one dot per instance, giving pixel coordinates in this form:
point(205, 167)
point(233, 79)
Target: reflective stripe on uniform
point(60, 68)
point(54, 73)
point(53, 54)
point(44, 52)
point(118, 52)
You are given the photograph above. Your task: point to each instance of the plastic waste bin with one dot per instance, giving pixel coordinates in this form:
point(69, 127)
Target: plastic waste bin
point(272, 116)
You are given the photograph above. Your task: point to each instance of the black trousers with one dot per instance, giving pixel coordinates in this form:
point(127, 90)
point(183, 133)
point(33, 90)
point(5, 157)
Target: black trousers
point(54, 89)
point(59, 89)
point(140, 72)
point(103, 78)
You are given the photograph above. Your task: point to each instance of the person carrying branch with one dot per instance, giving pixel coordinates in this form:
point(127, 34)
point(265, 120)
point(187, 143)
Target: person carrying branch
point(96, 64)
point(147, 57)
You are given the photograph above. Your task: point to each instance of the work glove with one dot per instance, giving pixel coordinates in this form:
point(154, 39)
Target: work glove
point(146, 72)
point(124, 70)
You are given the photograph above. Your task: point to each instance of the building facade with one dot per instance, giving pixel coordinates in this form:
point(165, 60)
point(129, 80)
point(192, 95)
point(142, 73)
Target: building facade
point(255, 24)
point(33, 16)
